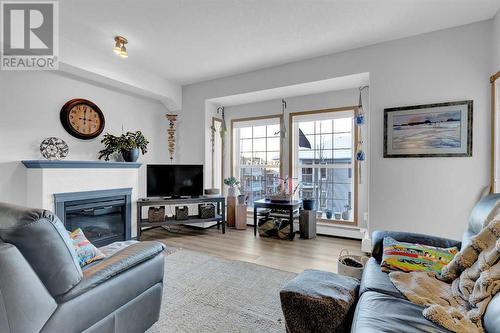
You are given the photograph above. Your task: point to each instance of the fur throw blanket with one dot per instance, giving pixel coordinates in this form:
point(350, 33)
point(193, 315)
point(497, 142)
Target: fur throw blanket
point(458, 297)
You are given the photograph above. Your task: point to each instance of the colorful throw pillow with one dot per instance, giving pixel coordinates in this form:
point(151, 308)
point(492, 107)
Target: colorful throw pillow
point(85, 250)
point(409, 257)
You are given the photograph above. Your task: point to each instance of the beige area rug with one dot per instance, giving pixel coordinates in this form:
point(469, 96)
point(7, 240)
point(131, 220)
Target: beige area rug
point(206, 294)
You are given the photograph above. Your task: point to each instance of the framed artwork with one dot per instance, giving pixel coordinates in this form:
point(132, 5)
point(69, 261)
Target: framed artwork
point(431, 130)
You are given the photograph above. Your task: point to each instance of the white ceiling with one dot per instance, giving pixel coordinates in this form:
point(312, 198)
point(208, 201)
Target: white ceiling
point(187, 41)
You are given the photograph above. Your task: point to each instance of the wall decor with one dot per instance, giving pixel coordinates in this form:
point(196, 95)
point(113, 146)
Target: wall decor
point(172, 118)
point(82, 119)
point(54, 148)
point(430, 130)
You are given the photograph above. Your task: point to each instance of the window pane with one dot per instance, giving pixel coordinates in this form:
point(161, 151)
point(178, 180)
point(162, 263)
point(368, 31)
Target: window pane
point(325, 141)
point(259, 132)
point(273, 144)
point(343, 140)
point(307, 127)
point(259, 158)
point(342, 154)
point(342, 125)
point(324, 156)
point(273, 130)
point(306, 156)
point(245, 132)
point(273, 158)
point(246, 158)
point(246, 145)
point(324, 126)
point(259, 144)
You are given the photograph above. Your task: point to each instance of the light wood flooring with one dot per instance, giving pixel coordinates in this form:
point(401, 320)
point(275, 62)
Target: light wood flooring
point(293, 256)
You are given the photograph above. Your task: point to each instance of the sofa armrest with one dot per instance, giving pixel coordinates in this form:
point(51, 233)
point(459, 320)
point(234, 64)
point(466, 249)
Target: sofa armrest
point(106, 269)
point(25, 303)
point(378, 239)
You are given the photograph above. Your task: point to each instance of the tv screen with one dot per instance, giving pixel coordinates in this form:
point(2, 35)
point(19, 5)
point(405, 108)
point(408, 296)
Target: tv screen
point(172, 180)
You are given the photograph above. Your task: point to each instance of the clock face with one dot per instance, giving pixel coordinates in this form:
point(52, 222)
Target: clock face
point(82, 119)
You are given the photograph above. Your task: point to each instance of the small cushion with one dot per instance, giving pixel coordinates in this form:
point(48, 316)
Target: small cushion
point(85, 250)
point(408, 257)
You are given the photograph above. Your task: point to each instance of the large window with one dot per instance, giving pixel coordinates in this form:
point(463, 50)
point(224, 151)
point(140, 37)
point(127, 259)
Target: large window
point(257, 155)
point(322, 159)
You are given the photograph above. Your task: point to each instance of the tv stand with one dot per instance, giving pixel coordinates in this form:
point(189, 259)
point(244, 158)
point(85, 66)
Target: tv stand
point(220, 212)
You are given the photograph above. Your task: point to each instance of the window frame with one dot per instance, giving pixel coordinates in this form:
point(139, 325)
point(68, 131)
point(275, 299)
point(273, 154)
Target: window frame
point(232, 135)
point(292, 151)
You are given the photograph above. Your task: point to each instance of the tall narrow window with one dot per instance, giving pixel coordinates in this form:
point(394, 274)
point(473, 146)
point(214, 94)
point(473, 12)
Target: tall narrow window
point(322, 156)
point(257, 155)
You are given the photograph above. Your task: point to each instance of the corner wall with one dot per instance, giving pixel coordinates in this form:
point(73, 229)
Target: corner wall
point(427, 195)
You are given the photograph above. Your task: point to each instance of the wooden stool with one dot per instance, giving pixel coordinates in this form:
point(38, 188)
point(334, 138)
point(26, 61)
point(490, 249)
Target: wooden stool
point(241, 217)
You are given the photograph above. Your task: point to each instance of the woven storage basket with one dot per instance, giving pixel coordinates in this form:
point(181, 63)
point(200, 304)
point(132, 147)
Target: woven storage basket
point(156, 214)
point(345, 264)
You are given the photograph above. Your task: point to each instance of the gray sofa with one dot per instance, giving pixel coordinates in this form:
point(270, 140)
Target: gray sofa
point(43, 288)
point(382, 308)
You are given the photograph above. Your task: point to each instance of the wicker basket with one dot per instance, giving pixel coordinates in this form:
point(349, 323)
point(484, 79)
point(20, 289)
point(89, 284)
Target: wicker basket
point(156, 214)
point(351, 265)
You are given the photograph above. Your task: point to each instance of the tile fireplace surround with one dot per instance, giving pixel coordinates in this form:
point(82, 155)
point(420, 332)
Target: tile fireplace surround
point(46, 178)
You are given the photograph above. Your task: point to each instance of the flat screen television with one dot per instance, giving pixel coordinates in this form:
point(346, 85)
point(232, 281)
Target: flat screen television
point(174, 180)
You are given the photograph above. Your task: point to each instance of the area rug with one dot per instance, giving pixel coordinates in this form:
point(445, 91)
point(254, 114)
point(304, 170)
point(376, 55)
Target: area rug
point(207, 294)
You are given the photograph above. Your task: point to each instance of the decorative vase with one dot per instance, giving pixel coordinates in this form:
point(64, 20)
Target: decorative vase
point(231, 191)
point(338, 216)
point(130, 155)
point(329, 214)
point(346, 215)
point(241, 199)
point(308, 204)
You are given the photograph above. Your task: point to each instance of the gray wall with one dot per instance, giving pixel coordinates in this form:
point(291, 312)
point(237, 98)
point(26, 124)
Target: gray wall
point(429, 195)
point(30, 103)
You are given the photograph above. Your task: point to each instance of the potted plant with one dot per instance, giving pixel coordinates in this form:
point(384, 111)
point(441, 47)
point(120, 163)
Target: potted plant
point(127, 144)
point(347, 212)
point(232, 183)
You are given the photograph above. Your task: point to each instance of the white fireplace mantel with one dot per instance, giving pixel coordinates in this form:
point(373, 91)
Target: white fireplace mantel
point(46, 178)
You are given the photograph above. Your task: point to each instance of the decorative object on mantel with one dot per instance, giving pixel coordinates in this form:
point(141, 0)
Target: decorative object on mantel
point(359, 120)
point(54, 148)
point(127, 144)
point(430, 130)
point(172, 118)
point(82, 119)
point(232, 183)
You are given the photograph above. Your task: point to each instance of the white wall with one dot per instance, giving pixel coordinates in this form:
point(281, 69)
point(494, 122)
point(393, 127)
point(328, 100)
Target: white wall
point(496, 43)
point(428, 195)
point(29, 112)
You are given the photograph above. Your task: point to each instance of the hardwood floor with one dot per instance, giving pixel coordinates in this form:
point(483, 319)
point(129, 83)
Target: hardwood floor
point(293, 256)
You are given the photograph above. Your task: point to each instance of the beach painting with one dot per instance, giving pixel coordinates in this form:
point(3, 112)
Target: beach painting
point(433, 130)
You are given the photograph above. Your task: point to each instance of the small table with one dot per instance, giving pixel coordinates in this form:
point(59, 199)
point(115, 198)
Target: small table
point(289, 206)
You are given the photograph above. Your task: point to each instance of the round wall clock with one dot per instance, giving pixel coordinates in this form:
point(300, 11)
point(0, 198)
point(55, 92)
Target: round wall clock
point(82, 119)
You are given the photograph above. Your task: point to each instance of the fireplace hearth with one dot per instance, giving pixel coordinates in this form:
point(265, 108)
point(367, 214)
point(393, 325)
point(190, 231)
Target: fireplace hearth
point(104, 216)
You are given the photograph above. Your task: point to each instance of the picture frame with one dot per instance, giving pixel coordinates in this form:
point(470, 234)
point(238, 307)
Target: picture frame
point(429, 130)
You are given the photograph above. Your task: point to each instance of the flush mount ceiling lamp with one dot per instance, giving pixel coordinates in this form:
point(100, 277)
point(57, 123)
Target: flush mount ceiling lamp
point(119, 47)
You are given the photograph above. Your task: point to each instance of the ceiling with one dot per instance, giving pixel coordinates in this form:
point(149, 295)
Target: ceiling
point(187, 41)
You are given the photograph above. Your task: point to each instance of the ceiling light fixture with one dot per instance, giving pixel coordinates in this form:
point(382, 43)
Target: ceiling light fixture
point(119, 47)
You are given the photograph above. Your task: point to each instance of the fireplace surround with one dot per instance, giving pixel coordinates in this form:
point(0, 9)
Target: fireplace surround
point(104, 216)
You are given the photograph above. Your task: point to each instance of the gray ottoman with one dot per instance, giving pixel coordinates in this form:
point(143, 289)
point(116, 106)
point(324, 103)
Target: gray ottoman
point(318, 301)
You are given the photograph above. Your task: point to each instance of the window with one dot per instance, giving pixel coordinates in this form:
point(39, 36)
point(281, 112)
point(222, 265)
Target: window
point(322, 159)
point(257, 155)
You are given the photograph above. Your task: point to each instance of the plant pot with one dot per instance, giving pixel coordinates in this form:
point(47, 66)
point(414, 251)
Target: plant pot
point(130, 155)
point(241, 199)
point(329, 214)
point(231, 191)
point(346, 215)
point(308, 204)
point(338, 216)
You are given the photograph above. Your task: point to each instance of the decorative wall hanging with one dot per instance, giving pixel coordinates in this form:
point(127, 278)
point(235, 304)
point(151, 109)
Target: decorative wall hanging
point(359, 120)
point(172, 118)
point(431, 130)
point(54, 149)
point(223, 128)
point(82, 119)
point(282, 123)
